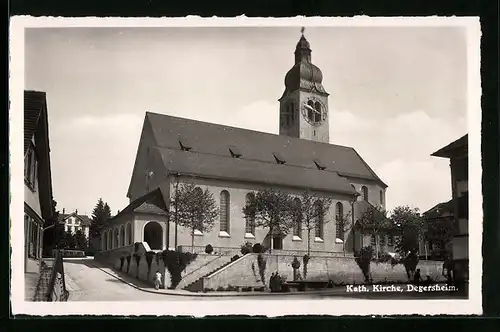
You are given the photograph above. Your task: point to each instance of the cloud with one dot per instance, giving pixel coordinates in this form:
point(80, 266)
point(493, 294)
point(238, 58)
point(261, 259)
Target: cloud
point(420, 184)
point(399, 149)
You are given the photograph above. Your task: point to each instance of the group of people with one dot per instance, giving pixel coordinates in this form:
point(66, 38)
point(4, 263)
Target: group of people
point(275, 282)
point(418, 280)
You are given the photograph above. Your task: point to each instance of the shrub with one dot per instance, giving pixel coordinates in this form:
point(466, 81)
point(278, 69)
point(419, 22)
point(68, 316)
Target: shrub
point(305, 260)
point(149, 258)
point(410, 263)
point(363, 259)
point(261, 263)
point(235, 257)
point(220, 289)
point(257, 248)
point(176, 262)
point(246, 248)
point(128, 262)
point(209, 249)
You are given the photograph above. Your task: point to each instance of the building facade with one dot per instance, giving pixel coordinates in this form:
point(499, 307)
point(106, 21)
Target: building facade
point(457, 153)
point(234, 163)
point(38, 207)
point(74, 222)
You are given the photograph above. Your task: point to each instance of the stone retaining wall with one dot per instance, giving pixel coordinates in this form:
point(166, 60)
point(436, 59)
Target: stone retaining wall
point(342, 270)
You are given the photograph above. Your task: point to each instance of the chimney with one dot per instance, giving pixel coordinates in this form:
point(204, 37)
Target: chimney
point(64, 210)
point(76, 211)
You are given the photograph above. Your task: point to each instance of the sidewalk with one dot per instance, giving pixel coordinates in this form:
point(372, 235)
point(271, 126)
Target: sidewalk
point(141, 285)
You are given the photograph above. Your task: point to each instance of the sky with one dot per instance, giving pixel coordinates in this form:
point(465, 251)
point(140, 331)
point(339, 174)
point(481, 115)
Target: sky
point(397, 94)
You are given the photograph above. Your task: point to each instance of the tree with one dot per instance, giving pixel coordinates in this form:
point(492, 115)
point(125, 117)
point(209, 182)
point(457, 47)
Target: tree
point(197, 210)
point(442, 231)
point(80, 240)
point(100, 215)
point(272, 209)
point(53, 235)
point(67, 241)
point(344, 223)
point(374, 222)
point(311, 212)
point(410, 228)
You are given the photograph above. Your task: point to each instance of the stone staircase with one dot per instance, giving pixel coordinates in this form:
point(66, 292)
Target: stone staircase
point(197, 285)
point(199, 271)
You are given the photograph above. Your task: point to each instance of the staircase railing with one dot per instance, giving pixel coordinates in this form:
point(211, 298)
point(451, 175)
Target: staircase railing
point(57, 268)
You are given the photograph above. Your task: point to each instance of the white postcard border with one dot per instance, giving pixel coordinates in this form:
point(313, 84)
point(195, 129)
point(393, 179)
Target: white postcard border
point(270, 308)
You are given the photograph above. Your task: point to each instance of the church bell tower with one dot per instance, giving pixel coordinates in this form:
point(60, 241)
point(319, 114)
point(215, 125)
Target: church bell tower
point(304, 104)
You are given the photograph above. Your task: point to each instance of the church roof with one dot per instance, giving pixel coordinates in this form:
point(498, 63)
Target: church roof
point(218, 151)
point(151, 203)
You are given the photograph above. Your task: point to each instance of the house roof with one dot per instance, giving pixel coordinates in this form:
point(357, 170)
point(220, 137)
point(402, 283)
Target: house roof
point(83, 218)
point(153, 202)
point(36, 126)
point(438, 210)
point(452, 148)
point(209, 154)
point(34, 102)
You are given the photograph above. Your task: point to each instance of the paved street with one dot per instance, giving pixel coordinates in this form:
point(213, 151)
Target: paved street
point(86, 282)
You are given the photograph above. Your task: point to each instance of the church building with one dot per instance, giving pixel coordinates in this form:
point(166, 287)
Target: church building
point(234, 163)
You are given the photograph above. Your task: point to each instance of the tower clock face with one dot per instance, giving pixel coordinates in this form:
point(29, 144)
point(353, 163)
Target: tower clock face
point(314, 111)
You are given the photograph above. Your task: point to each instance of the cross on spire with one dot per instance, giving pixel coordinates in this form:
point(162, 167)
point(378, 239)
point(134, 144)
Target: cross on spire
point(302, 30)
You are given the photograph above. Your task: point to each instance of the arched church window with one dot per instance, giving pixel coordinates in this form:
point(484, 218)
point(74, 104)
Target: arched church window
point(319, 220)
point(297, 227)
point(122, 236)
point(339, 224)
point(317, 114)
point(129, 234)
point(365, 193)
point(250, 218)
point(224, 211)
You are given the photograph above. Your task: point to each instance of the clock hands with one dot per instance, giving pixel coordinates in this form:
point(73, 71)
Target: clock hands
point(309, 107)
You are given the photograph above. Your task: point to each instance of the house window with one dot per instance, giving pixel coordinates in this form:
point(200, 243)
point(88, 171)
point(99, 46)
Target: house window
point(297, 229)
point(381, 197)
point(30, 167)
point(34, 237)
point(318, 230)
point(250, 218)
point(224, 211)
point(339, 216)
point(365, 193)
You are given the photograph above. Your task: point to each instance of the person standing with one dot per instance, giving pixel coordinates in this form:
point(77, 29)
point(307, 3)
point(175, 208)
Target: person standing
point(157, 279)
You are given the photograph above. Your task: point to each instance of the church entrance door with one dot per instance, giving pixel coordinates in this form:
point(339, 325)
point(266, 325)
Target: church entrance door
point(277, 242)
point(153, 235)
